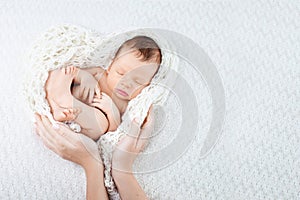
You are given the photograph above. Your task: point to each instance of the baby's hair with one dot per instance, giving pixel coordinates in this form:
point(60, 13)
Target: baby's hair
point(146, 47)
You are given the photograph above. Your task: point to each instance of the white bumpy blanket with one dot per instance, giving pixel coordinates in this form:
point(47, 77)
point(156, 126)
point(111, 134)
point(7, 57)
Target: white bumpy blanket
point(254, 45)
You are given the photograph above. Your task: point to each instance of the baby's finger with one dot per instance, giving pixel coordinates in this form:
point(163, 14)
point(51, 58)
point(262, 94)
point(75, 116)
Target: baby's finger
point(85, 94)
point(76, 92)
point(97, 105)
point(91, 96)
point(81, 91)
point(98, 92)
point(105, 97)
point(97, 100)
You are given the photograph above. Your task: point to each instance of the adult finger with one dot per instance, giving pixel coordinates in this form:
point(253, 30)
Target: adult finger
point(42, 130)
point(134, 129)
point(62, 134)
point(43, 135)
point(149, 121)
point(146, 130)
point(47, 138)
point(144, 137)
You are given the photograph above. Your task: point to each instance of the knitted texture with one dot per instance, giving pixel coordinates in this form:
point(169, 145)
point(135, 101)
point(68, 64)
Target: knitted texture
point(254, 45)
point(73, 45)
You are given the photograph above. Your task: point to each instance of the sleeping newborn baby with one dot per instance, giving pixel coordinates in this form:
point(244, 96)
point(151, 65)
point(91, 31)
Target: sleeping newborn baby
point(96, 98)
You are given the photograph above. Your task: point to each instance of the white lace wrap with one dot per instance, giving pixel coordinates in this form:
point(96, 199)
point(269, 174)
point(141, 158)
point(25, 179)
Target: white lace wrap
point(72, 45)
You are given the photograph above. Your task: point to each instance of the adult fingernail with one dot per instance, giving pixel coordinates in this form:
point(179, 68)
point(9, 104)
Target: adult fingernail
point(36, 132)
point(136, 120)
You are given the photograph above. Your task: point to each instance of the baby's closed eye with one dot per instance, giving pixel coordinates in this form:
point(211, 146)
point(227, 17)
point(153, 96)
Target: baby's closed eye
point(138, 82)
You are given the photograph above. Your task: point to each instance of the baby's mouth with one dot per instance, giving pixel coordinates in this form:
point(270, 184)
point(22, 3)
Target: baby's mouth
point(121, 92)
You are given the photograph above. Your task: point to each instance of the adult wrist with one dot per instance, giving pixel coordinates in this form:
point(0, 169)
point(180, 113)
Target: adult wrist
point(119, 175)
point(91, 165)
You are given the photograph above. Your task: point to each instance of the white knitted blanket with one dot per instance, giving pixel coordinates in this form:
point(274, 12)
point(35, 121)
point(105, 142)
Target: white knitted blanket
point(67, 45)
point(255, 48)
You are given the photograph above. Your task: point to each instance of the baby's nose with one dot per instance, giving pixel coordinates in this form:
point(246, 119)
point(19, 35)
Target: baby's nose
point(127, 84)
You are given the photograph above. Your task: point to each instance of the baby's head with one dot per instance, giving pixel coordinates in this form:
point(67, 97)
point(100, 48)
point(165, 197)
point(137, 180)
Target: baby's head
point(136, 62)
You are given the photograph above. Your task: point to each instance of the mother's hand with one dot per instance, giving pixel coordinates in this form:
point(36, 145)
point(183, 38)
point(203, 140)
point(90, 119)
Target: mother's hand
point(132, 144)
point(124, 155)
point(69, 145)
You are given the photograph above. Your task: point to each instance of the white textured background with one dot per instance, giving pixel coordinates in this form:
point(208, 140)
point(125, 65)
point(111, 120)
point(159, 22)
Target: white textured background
point(255, 46)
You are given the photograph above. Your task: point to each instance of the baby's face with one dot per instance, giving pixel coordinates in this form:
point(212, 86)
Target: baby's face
point(127, 75)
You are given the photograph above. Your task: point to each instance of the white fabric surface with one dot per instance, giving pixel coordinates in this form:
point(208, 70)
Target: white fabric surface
point(255, 47)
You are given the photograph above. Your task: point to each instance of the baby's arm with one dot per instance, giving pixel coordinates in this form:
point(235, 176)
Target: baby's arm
point(114, 121)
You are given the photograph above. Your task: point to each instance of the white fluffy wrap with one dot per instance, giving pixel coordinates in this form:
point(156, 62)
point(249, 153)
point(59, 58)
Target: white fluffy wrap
point(72, 45)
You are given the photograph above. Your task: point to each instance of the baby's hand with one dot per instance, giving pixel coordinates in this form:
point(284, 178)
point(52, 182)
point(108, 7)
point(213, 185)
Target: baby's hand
point(88, 87)
point(106, 104)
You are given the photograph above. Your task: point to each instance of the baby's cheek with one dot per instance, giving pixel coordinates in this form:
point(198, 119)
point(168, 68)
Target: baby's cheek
point(116, 83)
point(137, 91)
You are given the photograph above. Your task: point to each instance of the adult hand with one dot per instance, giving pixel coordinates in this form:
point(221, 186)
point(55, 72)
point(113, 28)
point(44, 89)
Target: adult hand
point(69, 145)
point(132, 144)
